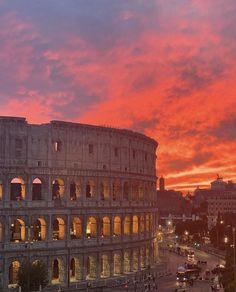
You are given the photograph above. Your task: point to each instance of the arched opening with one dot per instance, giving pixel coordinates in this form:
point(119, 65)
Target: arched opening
point(90, 189)
point(135, 260)
point(126, 261)
point(105, 226)
point(75, 190)
point(37, 189)
point(135, 224)
point(91, 268)
point(134, 191)
point(116, 190)
point(39, 230)
point(17, 190)
point(127, 225)
point(76, 228)
point(105, 266)
point(58, 271)
point(58, 232)
point(142, 258)
point(75, 270)
point(91, 230)
point(117, 226)
point(104, 190)
point(141, 191)
point(147, 223)
point(17, 231)
point(1, 232)
point(142, 224)
point(13, 272)
point(126, 191)
point(58, 189)
point(117, 264)
point(1, 190)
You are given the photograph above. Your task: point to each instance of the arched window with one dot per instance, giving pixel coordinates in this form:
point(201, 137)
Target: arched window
point(117, 226)
point(127, 262)
point(126, 191)
point(127, 225)
point(37, 189)
point(91, 230)
point(91, 268)
point(105, 226)
point(13, 272)
point(90, 189)
point(105, 266)
point(58, 229)
point(39, 230)
point(75, 270)
point(58, 271)
point(116, 190)
point(135, 224)
point(17, 191)
point(117, 264)
point(135, 260)
point(58, 189)
point(76, 228)
point(75, 190)
point(104, 190)
point(142, 258)
point(17, 231)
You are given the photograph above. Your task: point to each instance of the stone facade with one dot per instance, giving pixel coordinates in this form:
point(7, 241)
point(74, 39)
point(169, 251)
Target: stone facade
point(77, 197)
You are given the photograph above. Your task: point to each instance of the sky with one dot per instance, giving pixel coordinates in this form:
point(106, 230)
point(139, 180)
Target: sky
point(166, 68)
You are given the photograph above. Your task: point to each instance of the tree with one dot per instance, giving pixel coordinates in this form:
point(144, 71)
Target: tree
point(228, 275)
point(31, 276)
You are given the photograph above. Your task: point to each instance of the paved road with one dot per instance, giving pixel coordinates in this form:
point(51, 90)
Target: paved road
point(168, 284)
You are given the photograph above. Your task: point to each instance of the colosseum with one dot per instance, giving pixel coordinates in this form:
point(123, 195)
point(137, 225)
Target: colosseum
point(79, 198)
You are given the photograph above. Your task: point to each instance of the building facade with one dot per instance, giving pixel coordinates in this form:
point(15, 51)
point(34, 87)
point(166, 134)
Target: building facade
point(79, 198)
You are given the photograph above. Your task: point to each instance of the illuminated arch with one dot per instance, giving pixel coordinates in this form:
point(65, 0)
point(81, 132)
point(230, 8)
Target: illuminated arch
point(142, 258)
point(37, 189)
point(75, 190)
point(142, 219)
point(58, 229)
point(1, 190)
point(105, 226)
point(39, 230)
point(135, 224)
point(75, 270)
point(58, 271)
point(104, 190)
point(76, 228)
point(117, 264)
point(13, 272)
point(1, 232)
point(135, 260)
point(58, 189)
point(105, 266)
point(17, 190)
point(91, 268)
point(117, 226)
point(127, 262)
point(91, 230)
point(17, 230)
point(90, 188)
point(147, 223)
point(127, 225)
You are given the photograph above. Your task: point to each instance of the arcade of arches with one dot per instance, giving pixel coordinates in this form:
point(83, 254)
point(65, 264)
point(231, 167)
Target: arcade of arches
point(106, 189)
point(113, 263)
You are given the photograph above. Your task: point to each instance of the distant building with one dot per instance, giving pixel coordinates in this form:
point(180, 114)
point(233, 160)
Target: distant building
point(171, 202)
point(220, 199)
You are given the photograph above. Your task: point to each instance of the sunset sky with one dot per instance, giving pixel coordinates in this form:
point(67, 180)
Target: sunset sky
point(166, 68)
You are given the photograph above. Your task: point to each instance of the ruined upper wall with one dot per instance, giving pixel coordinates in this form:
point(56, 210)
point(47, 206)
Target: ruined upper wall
point(78, 146)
